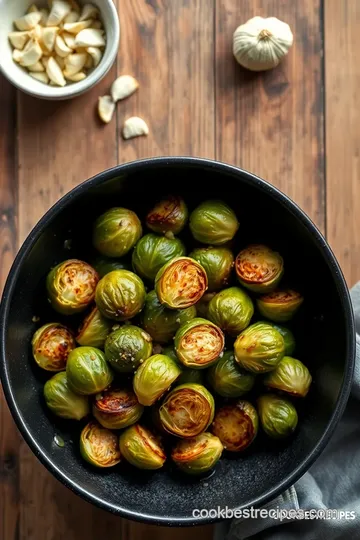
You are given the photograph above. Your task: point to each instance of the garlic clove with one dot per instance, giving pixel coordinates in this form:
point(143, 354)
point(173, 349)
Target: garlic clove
point(17, 55)
point(60, 60)
point(36, 32)
point(90, 37)
point(59, 10)
point(18, 39)
point(89, 62)
point(72, 17)
point(75, 63)
point(31, 54)
point(75, 28)
point(69, 40)
point(123, 86)
point(49, 37)
point(32, 9)
point(89, 11)
point(96, 55)
point(106, 108)
point(42, 77)
point(37, 68)
point(97, 25)
point(134, 127)
point(54, 72)
point(45, 61)
point(44, 16)
point(28, 21)
point(77, 77)
point(61, 48)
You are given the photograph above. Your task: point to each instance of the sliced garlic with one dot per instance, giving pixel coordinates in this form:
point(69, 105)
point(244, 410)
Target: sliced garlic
point(96, 55)
point(61, 48)
point(44, 16)
point(45, 61)
point(32, 9)
point(69, 39)
point(75, 63)
point(75, 78)
point(75, 28)
point(28, 21)
point(18, 39)
point(89, 11)
point(123, 87)
point(49, 37)
point(17, 55)
point(37, 68)
point(134, 127)
point(72, 17)
point(59, 10)
point(36, 32)
point(42, 77)
point(31, 54)
point(106, 108)
point(90, 37)
point(89, 62)
point(54, 72)
point(60, 60)
point(97, 24)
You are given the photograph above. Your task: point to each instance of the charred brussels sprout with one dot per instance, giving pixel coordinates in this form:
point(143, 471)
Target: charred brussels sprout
point(259, 348)
point(168, 216)
point(62, 401)
point(104, 265)
point(116, 232)
point(259, 268)
point(120, 295)
point(278, 416)
point(198, 343)
point(154, 377)
point(213, 222)
point(231, 309)
point(203, 305)
point(197, 455)
point(228, 379)
point(279, 306)
point(141, 448)
point(152, 252)
point(87, 371)
point(117, 408)
point(288, 338)
point(51, 346)
point(180, 283)
point(94, 330)
point(127, 347)
point(217, 262)
point(290, 376)
point(187, 375)
point(71, 286)
point(99, 446)
point(236, 425)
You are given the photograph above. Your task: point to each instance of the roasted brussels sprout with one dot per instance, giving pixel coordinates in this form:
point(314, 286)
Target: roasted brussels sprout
point(153, 251)
point(51, 346)
point(259, 268)
point(288, 338)
point(231, 309)
point(290, 376)
point(62, 401)
point(117, 408)
point(154, 377)
point(228, 379)
point(187, 375)
point(162, 322)
point(87, 371)
point(141, 448)
point(94, 329)
point(180, 283)
point(99, 446)
point(71, 286)
point(217, 262)
point(168, 216)
point(127, 347)
point(120, 295)
point(279, 306)
point(197, 455)
point(198, 343)
point(259, 348)
point(187, 410)
point(116, 232)
point(236, 425)
point(104, 265)
point(278, 416)
point(213, 222)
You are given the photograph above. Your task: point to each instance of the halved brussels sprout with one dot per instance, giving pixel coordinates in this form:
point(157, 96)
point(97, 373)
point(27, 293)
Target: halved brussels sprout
point(168, 215)
point(51, 346)
point(180, 283)
point(94, 329)
point(259, 348)
point(213, 222)
point(199, 343)
point(279, 306)
point(71, 286)
point(218, 263)
point(127, 347)
point(154, 377)
point(140, 447)
point(290, 376)
point(152, 252)
point(197, 455)
point(232, 310)
point(278, 416)
point(228, 379)
point(202, 305)
point(187, 411)
point(99, 446)
point(259, 268)
point(104, 265)
point(117, 408)
point(236, 425)
point(62, 401)
point(87, 371)
point(288, 336)
point(162, 322)
point(116, 232)
point(187, 375)
point(120, 295)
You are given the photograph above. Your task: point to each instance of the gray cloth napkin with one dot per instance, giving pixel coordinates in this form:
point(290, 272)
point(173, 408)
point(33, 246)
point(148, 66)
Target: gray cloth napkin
point(333, 482)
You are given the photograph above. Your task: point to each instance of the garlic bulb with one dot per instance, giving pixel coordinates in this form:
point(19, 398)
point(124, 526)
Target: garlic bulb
point(260, 43)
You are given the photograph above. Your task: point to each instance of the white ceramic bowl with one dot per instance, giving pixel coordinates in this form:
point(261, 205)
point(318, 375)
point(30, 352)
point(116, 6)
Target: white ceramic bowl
point(13, 9)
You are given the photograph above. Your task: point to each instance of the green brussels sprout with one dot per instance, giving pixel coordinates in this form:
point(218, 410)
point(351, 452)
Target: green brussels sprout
point(199, 343)
point(140, 447)
point(154, 377)
point(197, 455)
point(104, 265)
point(228, 379)
point(162, 322)
point(279, 306)
point(213, 222)
point(278, 416)
point(116, 232)
point(218, 263)
point(120, 295)
point(259, 268)
point(168, 216)
point(71, 286)
point(290, 376)
point(152, 252)
point(99, 446)
point(236, 425)
point(51, 346)
point(127, 347)
point(187, 411)
point(288, 336)
point(202, 305)
point(180, 283)
point(259, 348)
point(62, 401)
point(94, 329)
point(231, 309)
point(187, 375)
point(117, 408)
point(87, 371)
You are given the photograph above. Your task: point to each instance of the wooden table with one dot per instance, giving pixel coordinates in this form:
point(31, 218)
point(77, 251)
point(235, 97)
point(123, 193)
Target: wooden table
point(297, 126)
